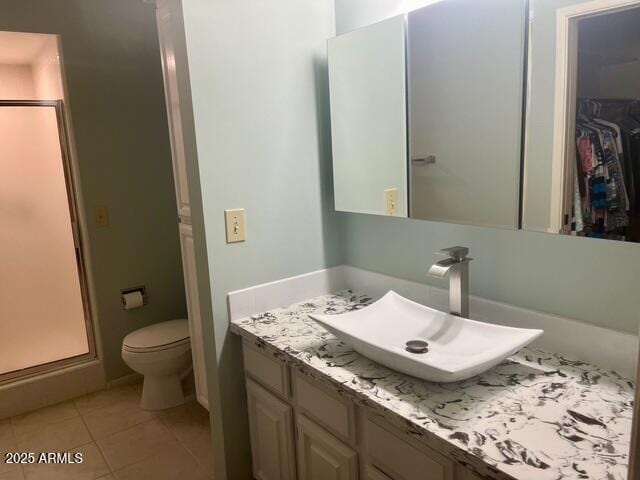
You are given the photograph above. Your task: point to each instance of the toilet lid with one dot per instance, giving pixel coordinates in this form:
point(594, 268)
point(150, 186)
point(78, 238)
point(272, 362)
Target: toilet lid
point(157, 335)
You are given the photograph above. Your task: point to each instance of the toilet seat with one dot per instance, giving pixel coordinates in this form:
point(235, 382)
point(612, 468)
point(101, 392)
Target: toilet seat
point(158, 337)
point(159, 348)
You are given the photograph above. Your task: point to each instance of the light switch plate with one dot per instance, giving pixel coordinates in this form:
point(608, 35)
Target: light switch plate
point(102, 216)
point(391, 196)
point(234, 221)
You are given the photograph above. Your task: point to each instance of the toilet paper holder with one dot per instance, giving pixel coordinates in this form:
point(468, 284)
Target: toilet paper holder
point(141, 288)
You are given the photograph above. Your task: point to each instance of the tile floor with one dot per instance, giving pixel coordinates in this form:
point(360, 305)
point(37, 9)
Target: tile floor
point(118, 440)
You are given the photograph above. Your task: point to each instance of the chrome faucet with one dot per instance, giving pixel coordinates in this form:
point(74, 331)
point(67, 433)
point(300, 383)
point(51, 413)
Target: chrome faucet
point(457, 266)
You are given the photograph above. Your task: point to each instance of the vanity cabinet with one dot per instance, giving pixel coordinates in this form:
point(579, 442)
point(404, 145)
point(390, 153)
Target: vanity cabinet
point(303, 429)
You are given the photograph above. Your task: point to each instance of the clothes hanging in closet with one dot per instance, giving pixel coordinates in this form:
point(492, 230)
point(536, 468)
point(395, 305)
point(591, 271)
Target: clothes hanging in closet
point(606, 196)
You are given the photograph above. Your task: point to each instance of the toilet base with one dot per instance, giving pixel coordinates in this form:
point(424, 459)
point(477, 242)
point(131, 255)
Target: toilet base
point(162, 392)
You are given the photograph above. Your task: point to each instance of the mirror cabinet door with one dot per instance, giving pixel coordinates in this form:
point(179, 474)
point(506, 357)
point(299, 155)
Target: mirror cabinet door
point(368, 119)
point(465, 80)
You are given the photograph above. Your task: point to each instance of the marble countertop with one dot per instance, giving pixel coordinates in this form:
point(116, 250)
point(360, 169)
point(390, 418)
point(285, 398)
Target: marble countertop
point(536, 416)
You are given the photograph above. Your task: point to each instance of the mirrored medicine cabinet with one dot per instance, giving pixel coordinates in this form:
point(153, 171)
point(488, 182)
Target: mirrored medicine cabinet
point(498, 113)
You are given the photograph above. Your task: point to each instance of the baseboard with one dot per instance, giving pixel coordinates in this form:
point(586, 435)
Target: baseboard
point(131, 379)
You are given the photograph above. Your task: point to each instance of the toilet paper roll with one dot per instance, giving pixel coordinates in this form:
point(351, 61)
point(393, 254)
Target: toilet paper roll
point(132, 300)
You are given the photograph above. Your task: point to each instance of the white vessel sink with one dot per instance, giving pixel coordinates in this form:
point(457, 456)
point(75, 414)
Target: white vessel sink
point(457, 348)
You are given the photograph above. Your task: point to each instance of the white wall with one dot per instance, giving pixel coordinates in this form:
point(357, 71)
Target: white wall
point(38, 77)
point(16, 82)
point(352, 14)
point(47, 76)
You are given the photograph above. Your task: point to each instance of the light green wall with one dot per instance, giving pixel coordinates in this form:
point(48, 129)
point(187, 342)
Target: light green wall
point(260, 102)
point(586, 279)
point(116, 101)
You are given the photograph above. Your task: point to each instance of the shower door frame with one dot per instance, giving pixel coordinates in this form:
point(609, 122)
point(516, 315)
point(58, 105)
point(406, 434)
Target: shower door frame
point(65, 154)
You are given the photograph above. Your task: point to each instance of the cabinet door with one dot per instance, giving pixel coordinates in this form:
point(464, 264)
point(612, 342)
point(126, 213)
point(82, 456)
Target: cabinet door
point(271, 434)
point(321, 456)
point(174, 71)
point(193, 308)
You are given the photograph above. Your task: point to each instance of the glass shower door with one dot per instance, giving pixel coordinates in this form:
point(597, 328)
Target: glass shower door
point(43, 319)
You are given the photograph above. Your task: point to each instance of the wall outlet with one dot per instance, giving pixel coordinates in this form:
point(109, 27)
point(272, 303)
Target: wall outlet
point(391, 196)
point(234, 221)
point(102, 216)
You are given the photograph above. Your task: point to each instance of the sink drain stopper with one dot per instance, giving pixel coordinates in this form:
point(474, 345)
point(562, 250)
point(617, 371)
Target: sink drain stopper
point(417, 346)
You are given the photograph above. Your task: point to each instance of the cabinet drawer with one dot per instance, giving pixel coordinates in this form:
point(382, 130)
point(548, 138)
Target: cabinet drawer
point(402, 460)
point(268, 371)
point(327, 408)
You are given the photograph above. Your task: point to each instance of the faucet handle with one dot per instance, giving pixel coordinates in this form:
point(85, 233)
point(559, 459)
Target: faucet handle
point(457, 253)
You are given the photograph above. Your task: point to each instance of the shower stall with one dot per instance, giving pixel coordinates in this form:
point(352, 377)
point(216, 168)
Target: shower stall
point(43, 315)
point(45, 321)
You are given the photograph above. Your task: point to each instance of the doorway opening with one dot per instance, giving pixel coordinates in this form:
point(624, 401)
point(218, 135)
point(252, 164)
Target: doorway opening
point(596, 166)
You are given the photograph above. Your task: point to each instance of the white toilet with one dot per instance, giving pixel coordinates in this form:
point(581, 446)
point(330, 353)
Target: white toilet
point(162, 353)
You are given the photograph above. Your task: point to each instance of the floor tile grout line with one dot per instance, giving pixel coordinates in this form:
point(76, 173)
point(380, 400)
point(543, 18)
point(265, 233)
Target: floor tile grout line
point(95, 440)
point(185, 446)
point(149, 456)
point(104, 460)
point(38, 426)
point(193, 455)
point(12, 420)
point(137, 461)
point(85, 424)
point(182, 444)
point(189, 450)
point(103, 457)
